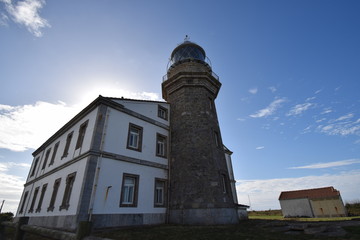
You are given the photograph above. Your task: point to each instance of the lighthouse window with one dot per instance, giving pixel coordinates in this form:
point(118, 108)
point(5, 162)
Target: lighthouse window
point(134, 137)
point(217, 139)
point(161, 145)
point(129, 190)
point(162, 112)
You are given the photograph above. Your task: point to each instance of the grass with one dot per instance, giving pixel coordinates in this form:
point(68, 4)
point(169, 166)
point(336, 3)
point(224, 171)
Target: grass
point(254, 229)
point(269, 217)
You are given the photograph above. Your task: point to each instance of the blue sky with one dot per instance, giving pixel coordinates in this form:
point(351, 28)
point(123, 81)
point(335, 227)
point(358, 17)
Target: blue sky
point(289, 106)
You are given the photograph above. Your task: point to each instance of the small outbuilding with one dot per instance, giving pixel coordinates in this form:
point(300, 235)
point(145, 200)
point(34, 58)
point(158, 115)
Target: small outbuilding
point(317, 202)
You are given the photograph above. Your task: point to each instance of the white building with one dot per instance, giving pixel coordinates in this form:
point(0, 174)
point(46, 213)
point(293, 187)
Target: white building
point(108, 165)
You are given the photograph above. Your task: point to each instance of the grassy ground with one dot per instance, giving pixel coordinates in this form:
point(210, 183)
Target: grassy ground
point(254, 229)
point(269, 217)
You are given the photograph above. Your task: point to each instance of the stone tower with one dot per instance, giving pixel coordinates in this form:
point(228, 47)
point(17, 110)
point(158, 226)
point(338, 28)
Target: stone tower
point(200, 191)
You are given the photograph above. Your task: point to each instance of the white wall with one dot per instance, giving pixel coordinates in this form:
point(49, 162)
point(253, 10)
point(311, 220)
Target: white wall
point(296, 208)
point(111, 174)
point(148, 109)
point(91, 117)
point(231, 176)
point(79, 168)
point(115, 139)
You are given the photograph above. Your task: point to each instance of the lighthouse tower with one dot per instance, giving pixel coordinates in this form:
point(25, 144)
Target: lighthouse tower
point(200, 188)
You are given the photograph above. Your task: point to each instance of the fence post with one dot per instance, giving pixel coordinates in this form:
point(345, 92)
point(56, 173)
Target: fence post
point(19, 234)
point(83, 229)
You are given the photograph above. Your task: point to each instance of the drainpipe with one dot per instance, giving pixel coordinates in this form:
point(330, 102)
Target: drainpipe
point(167, 213)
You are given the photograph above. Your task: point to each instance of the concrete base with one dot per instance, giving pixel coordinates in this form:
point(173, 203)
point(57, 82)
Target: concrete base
point(209, 216)
point(117, 220)
point(68, 222)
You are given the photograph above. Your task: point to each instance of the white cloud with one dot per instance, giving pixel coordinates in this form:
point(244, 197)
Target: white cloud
point(264, 194)
point(326, 110)
point(299, 108)
point(318, 91)
point(329, 164)
point(26, 13)
point(28, 126)
point(345, 117)
point(342, 126)
point(269, 110)
point(260, 147)
point(241, 119)
point(253, 90)
point(272, 89)
point(3, 19)
point(11, 186)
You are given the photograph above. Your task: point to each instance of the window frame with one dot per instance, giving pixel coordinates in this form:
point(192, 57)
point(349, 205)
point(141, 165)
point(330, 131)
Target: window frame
point(217, 139)
point(56, 187)
point(67, 145)
point(47, 154)
point(130, 137)
point(35, 166)
point(23, 202)
point(163, 110)
point(135, 190)
point(164, 193)
point(157, 150)
point(70, 179)
point(32, 205)
point(56, 146)
point(82, 132)
point(43, 190)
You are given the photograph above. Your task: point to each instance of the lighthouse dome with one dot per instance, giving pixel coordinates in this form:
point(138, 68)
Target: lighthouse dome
point(188, 51)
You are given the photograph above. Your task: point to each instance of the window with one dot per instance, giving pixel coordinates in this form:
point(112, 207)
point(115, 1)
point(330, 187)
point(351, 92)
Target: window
point(46, 158)
point(211, 104)
point(43, 190)
point(129, 190)
point(67, 145)
point(68, 189)
point(23, 203)
point(223, 183)
point(159, 194)
point(33, 200)
point(162, 112)
point(217, 139)
point(161, 145)
point(35, 165)
point(81, 136)
point(134, 137)
point(54, 193)
point(54, 153)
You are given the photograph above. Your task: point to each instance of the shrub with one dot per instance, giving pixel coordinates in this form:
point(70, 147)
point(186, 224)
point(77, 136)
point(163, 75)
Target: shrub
point(8, 216)
point(353, 208)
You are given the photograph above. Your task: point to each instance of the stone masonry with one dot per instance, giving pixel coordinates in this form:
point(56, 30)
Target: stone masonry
point(200, 190)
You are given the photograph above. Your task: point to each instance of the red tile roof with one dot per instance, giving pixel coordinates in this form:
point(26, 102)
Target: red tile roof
point(310, 193)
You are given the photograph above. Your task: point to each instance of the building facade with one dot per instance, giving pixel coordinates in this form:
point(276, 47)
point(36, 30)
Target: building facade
point(123, 162)
point(319, 202)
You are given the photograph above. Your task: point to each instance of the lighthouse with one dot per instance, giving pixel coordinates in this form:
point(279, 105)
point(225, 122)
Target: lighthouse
point(200, 187)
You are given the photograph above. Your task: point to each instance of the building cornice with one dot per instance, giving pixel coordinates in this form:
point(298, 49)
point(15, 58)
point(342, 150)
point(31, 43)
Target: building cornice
point(97, 102)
